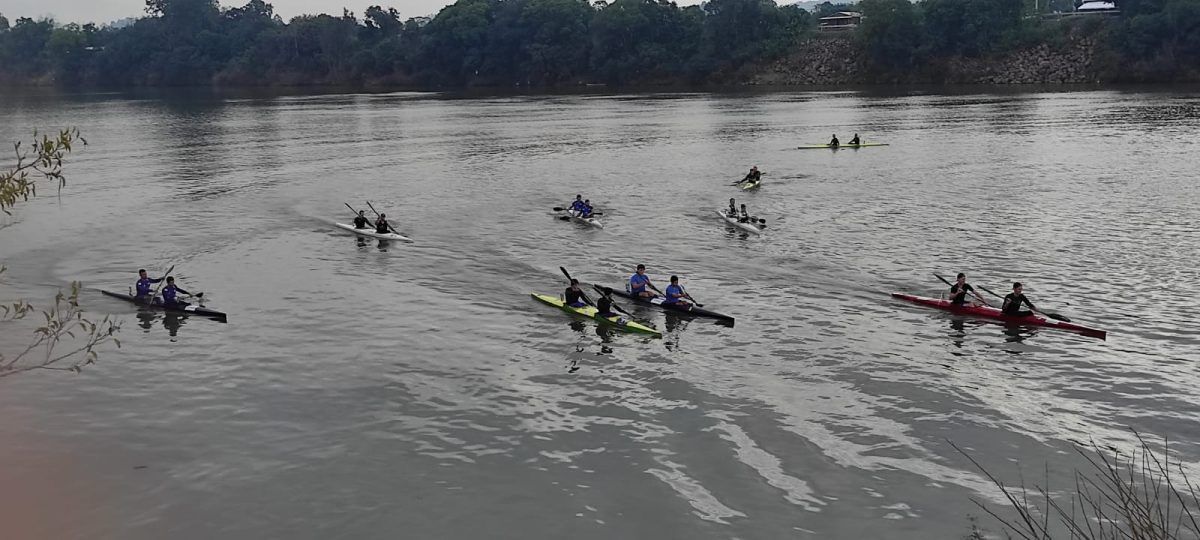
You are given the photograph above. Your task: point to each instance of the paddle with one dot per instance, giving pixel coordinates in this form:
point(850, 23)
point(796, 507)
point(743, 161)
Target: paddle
point(689, 297)
point(607, 292)
point(947, 282)
point(1051, 315)
point(150, 300)
point(390, 227)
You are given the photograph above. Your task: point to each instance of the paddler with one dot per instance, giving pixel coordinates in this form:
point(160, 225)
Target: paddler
point(361, 222)
point(169, 292)
point(381, 225)
point(732, 211)
point(1013, 301)
point(744, 217)
point(855, 141)
point(833, 143)
point(639, 283)
point(604, 306)
point(573, 296)
point(586, 211)
point(959, 290)
point(675, 294)
point(753, 177)
point(577, 205)
point(144, 285)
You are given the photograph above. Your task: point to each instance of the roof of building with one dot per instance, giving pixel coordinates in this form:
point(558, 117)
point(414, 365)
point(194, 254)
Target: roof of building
point(842, 15)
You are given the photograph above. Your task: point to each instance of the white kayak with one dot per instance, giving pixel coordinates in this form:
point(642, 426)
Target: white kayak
point(586, 221)
point(371, 232)
point(748, 227)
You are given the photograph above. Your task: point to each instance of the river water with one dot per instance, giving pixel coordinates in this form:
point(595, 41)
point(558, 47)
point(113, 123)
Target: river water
point(368, 390)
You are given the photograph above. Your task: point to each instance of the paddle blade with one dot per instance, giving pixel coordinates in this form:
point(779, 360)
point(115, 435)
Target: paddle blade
point(1056, 316)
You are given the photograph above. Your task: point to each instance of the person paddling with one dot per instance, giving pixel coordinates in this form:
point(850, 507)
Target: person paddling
point(361, 221)
point(639, 283)
point(833, 143)
point(855, 141)
point(675, 294)
point(381, 225)
point(1013, 301)
point(732, 210)
point(577, 205)
point(959, 290)
point(753, 177)
point(145, 285)
point(169, 292)
point(586, 211)
point(573, 295)
point(604, 306)
point(744, 216)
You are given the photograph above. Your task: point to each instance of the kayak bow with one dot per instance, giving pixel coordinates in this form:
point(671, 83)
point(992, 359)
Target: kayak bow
point(988, 312)
point(591, 312)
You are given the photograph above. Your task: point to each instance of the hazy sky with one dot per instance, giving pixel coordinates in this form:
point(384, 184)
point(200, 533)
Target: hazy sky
point(104, 11)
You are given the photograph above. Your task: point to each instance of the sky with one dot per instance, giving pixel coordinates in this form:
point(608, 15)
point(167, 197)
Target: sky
point(106, 11)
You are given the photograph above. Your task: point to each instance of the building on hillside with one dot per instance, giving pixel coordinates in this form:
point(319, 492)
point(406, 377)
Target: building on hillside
point(842, 20)
point(1104, 7)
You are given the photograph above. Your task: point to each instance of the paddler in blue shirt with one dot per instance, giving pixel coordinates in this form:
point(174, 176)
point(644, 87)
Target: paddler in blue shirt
point(639, 283)
point(169, 292)
point(145, 285)
point(586, 210)
point(675, 293)
point(577, 205)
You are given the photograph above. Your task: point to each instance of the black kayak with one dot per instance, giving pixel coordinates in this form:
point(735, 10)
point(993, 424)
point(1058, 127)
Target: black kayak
point(193, 309)
point(658, 302)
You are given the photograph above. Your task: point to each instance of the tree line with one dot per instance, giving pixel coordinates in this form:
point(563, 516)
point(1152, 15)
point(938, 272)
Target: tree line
point(560, 42)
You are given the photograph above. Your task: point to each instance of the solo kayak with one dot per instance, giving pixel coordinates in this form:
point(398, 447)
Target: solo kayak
point(591, 312)
point(748, 227)
point(371, 232)
point(193, 309)
point(988, 312)
point(586, 221)
point(658, 302)
point(831, 147)
point(751, 185)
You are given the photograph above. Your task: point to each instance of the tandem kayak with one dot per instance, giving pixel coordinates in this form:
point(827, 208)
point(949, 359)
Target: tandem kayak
point(748, 227)
point(988, 312)
point(591, 312)
point(831, 147)
point(658, 302)
point(586, 221)
point(371, 232)
point(193, 309)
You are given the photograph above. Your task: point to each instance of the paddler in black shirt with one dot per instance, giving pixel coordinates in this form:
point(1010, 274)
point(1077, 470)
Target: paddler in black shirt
point(753, 176)
point(833, 143)
point(573, 296)
point(958, 291)
point(361, 222)
point(1013, 301)
point(604, 306)
point(381, 225)
point(855, 141)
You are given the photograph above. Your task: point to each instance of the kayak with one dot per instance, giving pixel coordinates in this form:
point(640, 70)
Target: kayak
point(751, 185)
point(658, 302)
point(748, 227)
point(828, 147)
point(988, 312)
point(193, 309)
point(591, 312)
point(371, 232)
point(586, 221)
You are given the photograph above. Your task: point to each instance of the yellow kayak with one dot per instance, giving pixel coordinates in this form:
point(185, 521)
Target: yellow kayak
point(590, 312)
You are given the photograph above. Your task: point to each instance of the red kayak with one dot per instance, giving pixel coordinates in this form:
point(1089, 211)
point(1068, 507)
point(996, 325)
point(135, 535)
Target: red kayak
point(994, 313)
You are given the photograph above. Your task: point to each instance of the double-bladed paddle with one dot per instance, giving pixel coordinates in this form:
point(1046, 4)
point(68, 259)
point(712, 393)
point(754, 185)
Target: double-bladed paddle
point(1054, 316)
point(586, 299)
point(351, 209)
point(390, 227)
point(689, 297)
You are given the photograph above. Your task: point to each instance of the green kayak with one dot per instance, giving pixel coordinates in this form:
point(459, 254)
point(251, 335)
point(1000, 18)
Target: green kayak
point(590, 312)
point(828, 147)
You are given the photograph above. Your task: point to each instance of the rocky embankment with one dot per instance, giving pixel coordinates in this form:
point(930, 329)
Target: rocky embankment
point(838, 61)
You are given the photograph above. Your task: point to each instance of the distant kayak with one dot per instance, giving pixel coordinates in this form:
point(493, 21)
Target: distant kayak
point(371, 232)
point(988, 312)
point(732, 220)
point(591, 312)
point(751, 185)
point(194, 309)
point(829, 147)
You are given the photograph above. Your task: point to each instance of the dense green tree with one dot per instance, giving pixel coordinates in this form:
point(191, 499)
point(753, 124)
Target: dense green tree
point(890, 34)
point(970, 27)
point(3, 23)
